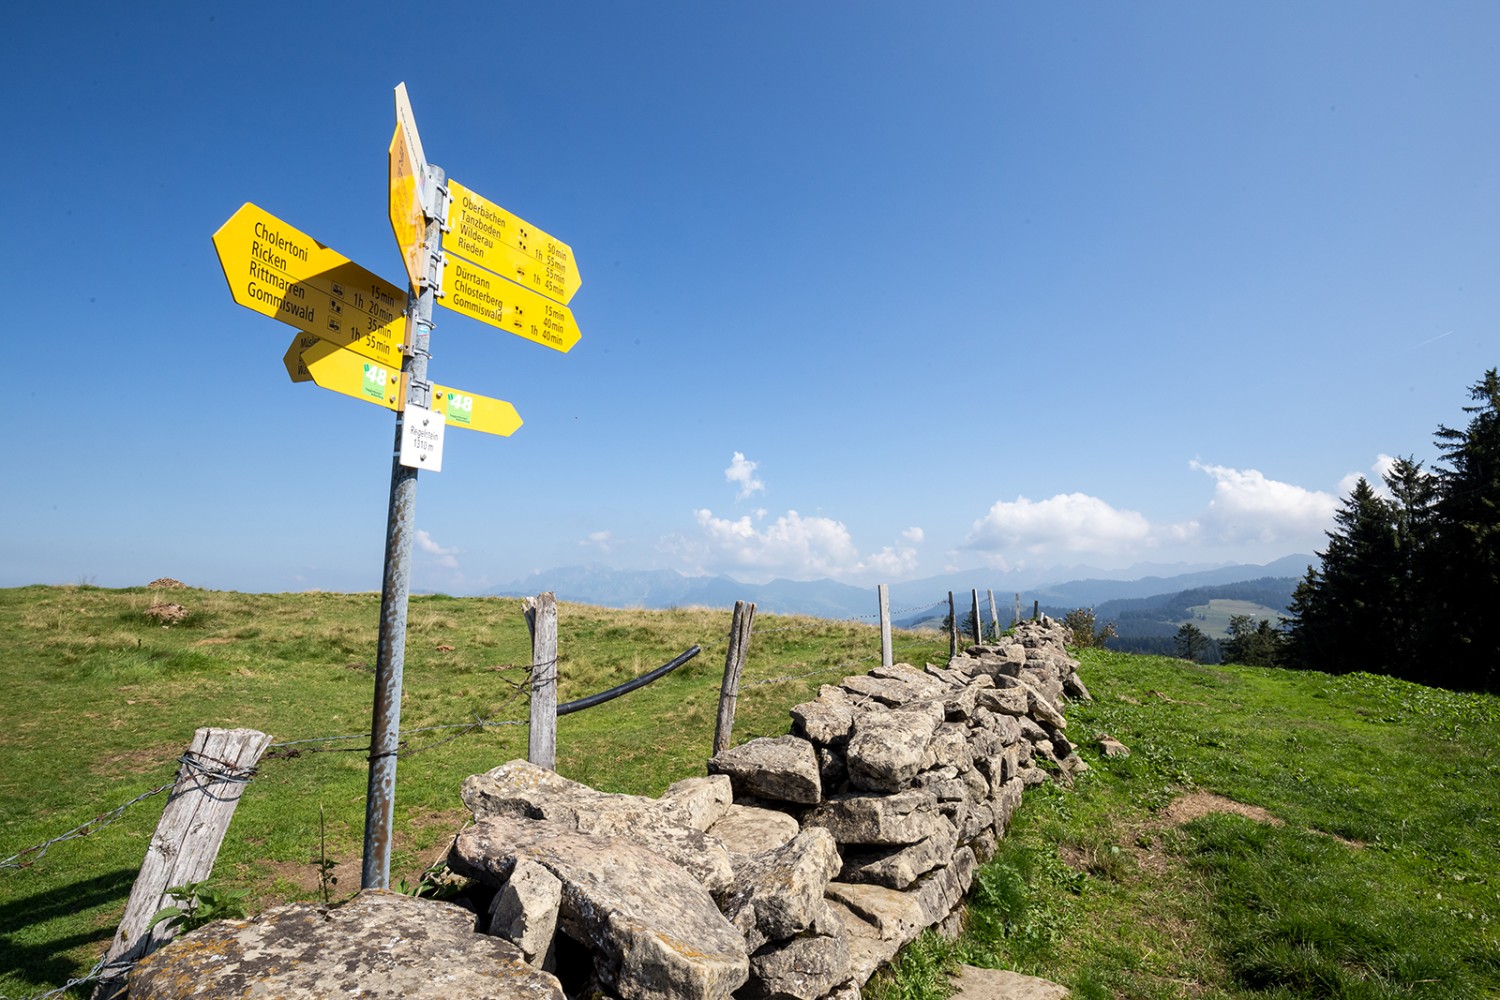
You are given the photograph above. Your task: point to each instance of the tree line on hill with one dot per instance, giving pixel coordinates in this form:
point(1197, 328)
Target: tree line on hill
point(1410, 582)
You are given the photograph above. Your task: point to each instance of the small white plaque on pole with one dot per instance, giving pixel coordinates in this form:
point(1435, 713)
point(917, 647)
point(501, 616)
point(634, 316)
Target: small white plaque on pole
point(422, 439)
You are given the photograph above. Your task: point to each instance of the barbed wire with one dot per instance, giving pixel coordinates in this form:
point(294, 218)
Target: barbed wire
point(117, 967)
point(94, 825)
point(196, 765)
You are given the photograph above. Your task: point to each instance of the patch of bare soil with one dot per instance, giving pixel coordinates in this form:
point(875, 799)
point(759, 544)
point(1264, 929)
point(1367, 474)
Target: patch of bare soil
point(305, 875)
point(1194, 805)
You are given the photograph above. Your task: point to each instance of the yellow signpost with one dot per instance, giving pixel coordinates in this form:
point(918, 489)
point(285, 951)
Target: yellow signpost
point(488, 235)
point(281, 272)
point(477, 413)
point(489, 298)
point(331, 367)
point(366, 338)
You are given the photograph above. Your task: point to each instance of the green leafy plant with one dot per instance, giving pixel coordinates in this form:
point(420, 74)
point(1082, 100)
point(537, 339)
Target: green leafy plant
point(199, 903)
point(437, 882)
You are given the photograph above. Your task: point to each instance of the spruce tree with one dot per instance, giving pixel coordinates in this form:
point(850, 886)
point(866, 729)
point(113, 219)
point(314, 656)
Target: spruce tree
point(1465, 590)
point(1343, 616)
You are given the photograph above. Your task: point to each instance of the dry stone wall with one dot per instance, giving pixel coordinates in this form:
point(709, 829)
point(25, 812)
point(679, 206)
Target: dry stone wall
point(793, 870)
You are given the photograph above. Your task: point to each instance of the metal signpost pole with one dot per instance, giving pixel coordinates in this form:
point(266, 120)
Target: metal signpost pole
point(380, 799)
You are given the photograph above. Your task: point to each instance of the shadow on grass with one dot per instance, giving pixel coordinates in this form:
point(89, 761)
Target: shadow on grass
point(49, 962)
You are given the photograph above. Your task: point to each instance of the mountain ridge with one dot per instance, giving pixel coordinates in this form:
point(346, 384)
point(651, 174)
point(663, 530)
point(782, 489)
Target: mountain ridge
point(656, 589)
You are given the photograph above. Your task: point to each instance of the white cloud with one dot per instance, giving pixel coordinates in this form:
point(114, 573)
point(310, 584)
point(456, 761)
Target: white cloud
point(741, 470)
point(1376, 477)
point(603, 541)
point(913, 535)
point(791, 546)
point(447, 557)
point(1066, 523)
point(1248, 507)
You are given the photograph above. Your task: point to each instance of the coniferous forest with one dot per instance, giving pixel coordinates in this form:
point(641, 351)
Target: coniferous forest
point(1410, 583)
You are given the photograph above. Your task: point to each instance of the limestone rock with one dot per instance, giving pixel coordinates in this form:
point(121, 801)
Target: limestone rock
point(897, 869)
point(1042, 709)
point(524, 912)
point(1001, 984)
point(1073, 686)
point(826, 719)
point(1007, 798)
point(752, 830)
point(887, 749)
point(1007, 701)
point(379, 946)
point(923, 686)
point(698, 802)
point(869, 949)
point(803, 968)
point(950, 748)
point(653, 928)
point(897, 916)
point(903, 818)
point(783, 768)
point(939, 891)
point(1111, 747)
point(779, 893)
point(521, 789)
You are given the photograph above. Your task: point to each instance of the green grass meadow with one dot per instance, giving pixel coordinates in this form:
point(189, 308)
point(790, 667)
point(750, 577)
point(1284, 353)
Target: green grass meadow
point(1372, 869)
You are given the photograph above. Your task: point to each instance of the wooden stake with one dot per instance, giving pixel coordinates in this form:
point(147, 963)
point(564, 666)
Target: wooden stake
point(734, 665)
point(214, 772)
point(885, 624)
point(541, 618)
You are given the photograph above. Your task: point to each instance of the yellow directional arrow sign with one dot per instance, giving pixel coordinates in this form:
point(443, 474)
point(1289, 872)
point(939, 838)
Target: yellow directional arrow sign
point(489, 298)
point(478, 413)
point(281, 272)
point(292, 359)
point(513, 248)
point(407, 220)
point(343, 371)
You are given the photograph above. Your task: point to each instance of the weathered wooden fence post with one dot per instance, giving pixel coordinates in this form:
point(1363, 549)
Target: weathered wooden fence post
point(214, 773)
point(994, 617)
point(952, 628)
point(974, 613)
point(1036, 610)
point(541, 618)
point(734, 665)
point(885, 625)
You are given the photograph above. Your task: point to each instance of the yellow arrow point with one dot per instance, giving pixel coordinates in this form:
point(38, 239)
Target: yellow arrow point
point(477, 413)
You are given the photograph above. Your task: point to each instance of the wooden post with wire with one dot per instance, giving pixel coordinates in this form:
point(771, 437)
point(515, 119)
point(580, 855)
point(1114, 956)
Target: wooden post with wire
point(977, 628)
point(217, 766)
point(885, 625)
point(734, 666)
point(952, 628)
point(541, 619)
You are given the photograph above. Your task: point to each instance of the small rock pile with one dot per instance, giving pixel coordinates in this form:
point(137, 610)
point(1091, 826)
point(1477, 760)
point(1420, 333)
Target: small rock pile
point(798, 866)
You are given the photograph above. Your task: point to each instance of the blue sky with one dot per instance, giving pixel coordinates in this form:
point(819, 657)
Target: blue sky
point(870, 290)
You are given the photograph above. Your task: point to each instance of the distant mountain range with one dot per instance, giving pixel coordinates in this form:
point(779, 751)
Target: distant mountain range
point(912, 602)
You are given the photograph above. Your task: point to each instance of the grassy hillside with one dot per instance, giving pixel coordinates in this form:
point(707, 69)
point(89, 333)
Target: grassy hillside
point(1272, 834)
point(1104, 886)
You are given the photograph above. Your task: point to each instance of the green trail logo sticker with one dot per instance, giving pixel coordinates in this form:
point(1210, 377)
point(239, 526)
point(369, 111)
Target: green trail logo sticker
point(374, 383)
point(460, 408)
